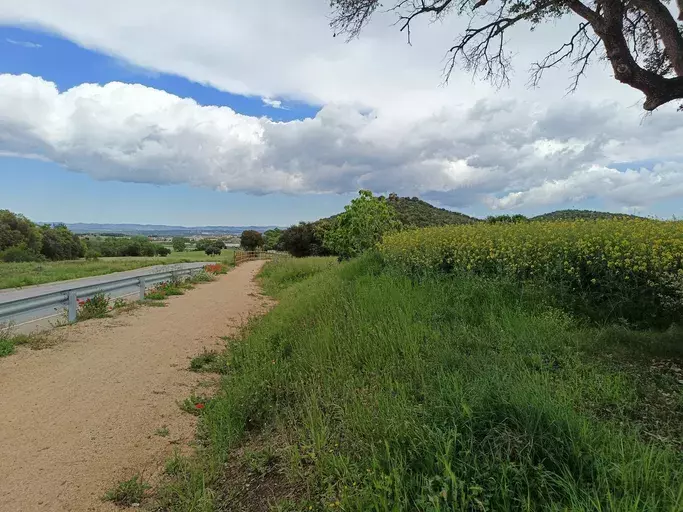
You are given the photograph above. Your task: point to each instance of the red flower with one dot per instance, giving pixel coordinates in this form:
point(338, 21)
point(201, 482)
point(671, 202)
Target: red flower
point(199, 406)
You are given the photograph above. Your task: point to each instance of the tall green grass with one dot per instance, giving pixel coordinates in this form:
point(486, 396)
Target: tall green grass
point(451, 394)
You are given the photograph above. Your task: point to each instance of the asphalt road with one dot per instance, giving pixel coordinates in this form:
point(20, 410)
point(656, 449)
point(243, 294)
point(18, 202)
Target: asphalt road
point(45, 316)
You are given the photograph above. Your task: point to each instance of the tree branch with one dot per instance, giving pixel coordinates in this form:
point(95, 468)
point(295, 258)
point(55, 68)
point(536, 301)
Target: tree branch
point(667, 28)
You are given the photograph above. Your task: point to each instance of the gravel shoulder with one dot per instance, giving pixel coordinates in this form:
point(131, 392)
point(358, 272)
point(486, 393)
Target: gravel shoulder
point(80, 416)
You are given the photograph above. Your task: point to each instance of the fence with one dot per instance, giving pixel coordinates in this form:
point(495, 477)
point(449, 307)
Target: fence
point(242, 256)
point(41, 304)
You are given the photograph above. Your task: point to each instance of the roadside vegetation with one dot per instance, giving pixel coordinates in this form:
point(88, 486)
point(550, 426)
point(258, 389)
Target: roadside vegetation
point(374, 391)
point(448, 370)
point(14, 275)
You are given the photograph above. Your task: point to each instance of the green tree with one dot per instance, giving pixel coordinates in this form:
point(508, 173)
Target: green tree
point(361, 226)
point(251, 239)
point(303, 239)
point(271, 239)
point(179, 243)
point(17, 231)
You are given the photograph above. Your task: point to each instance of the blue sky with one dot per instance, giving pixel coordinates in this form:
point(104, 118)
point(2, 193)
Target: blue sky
point(365, 114)
point(45, 191)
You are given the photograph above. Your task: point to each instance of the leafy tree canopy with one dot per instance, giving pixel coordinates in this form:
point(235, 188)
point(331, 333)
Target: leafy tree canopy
point(361, 226)
point(251, 240)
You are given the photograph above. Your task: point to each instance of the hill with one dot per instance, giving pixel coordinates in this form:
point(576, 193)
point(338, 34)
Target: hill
point(412, 211)
point(582, 214)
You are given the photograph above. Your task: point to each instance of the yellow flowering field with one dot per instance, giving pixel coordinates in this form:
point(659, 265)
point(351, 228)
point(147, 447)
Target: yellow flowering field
point(629, 268)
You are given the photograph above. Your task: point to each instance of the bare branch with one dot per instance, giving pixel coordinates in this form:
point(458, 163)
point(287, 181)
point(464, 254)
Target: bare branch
point(667, 28)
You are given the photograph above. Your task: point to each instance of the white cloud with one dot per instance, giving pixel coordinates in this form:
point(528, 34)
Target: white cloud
point(25, 44)
point(505, 154)
point(273, 103)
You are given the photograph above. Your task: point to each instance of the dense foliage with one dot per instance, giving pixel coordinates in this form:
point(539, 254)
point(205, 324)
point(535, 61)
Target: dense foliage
point(23, 240)
point(362, 391)
point(179, 243)
point(361, 226)
point(582, 215)
point(251, 240)
point(414, 212)
point(607, 269)
point(271, 239)
point(304, 239)
point(133, 246)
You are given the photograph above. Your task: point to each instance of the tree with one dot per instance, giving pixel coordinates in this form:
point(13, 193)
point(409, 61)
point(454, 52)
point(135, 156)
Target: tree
point(271, 239)
point(361, 226)
point(160, 250)
point(641, 38)
point(179, 243)
point(251, 239)
point(16, 230)
point(303, 239)
point(211, 250)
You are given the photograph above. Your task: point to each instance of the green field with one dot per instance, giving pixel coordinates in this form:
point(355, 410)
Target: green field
point(367, 390)
point(13, 275)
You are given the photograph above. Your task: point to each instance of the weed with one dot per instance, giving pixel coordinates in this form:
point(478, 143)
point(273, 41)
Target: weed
point(164, 290)
point(209, 362)
point(95, 307)
point(194, 404)
point(6, 347)
point(176, 465)
point(120, 303)
point(128, 492)
point(162, 432)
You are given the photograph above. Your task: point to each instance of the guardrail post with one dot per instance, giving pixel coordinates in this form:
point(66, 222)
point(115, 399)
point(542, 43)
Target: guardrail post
point(142, 288)
point(73, 306)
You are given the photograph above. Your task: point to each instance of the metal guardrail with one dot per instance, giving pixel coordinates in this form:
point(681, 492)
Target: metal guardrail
point(48, 302)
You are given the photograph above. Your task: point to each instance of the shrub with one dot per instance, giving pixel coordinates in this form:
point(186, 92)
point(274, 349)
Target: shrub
point(19, 254)
point(212, 250)
point(216, 268)
point(92, 255)
point(303, 240)
point(251, 240)
point(95, 307)
point(271, 239)
point(628, 269)
point(179, 243)
point(160, 250)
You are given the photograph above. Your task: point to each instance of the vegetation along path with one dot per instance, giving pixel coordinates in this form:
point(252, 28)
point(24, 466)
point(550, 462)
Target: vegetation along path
point(83, 415)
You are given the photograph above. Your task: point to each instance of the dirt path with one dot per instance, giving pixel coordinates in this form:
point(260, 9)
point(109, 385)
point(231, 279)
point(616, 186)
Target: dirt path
point(77, 418)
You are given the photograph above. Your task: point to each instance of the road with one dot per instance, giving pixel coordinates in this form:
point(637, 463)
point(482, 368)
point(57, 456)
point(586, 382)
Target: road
point(80, 416)
point(43, 317)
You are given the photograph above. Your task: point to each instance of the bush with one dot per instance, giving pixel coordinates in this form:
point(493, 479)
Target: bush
point(606, 269)
point(160, 250)
point(271, 238)
point(91, 255)
point(179, 243)
point(212, 250)
point(251, 240)
point(19, 254)
point(95, 307)
point(303, 240)
point(58, 243)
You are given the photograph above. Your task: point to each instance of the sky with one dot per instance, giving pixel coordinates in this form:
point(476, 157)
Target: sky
point(251, 113)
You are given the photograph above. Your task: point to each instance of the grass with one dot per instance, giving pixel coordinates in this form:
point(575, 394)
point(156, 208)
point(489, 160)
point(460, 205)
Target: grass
point(128, 492)
point(9, 340)
point(208, 362)
point(276, 277)
point(386, 394)
point(162, 432)
point(14, 275)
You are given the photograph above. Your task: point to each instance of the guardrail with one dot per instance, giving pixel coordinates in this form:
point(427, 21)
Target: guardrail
point(42, 305)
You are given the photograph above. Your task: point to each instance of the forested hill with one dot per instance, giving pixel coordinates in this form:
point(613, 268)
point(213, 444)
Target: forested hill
point(582, 214)
point(418, 213)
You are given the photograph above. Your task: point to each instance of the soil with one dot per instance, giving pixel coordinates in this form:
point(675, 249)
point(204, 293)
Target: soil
point(79, 417)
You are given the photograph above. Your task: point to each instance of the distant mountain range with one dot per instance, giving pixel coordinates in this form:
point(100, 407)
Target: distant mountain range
point(160, 229)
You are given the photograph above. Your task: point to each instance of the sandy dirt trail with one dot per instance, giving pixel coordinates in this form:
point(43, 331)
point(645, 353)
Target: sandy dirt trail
point(77, 418)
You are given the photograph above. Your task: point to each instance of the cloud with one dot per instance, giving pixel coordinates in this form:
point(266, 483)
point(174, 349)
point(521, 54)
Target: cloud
point(505, 154)
point(273, 103)
point(25, 44)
